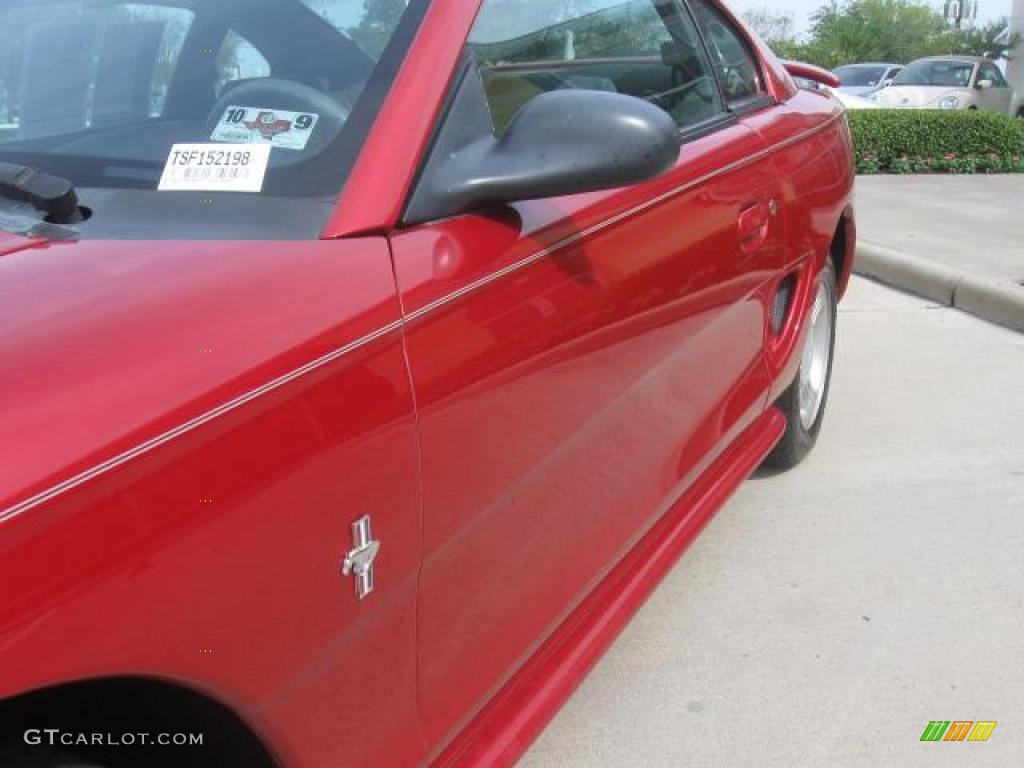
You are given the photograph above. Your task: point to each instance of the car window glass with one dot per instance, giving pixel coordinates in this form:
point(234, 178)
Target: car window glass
point(66, 73)
point(75, 65)
point(729, 53)
point(239, 59)
point(370, 23)
point(858, 76)
point(102, 92)
point(991, 72)
point(932, 72)
point(643, 48)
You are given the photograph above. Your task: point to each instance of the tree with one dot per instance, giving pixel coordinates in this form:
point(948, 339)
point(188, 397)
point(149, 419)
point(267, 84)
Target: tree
point(773, 27)
point(991, 40)
point(890, 30)
point(878, 30)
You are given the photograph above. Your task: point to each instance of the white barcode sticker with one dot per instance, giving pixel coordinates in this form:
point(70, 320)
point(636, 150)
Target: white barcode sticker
point(215, 168)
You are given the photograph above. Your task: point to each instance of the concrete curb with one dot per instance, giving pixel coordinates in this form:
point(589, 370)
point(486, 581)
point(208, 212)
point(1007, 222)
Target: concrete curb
point(998, 301)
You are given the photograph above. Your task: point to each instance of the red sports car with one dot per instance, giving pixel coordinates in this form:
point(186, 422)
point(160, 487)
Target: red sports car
point(364, 364)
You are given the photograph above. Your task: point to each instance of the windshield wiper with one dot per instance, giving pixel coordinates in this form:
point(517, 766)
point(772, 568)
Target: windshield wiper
point(54, 195)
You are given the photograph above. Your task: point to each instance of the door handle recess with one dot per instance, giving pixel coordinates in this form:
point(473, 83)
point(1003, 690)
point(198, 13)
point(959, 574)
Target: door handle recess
point(753, 226)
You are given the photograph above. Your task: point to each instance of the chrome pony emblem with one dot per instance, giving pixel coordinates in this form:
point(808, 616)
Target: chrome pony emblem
point(359, 560)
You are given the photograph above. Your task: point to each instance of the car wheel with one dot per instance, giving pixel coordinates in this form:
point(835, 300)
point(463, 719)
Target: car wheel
point(24, 756)
point(803, 403)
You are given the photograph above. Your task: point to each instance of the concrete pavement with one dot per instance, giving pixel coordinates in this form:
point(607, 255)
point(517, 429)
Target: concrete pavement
point(827, 615)
point(956, 240)
point(967, 222)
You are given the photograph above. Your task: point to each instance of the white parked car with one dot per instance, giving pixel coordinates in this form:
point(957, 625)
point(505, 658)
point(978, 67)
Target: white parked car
point(951, 82)
point(848, 100)
point(851, 101)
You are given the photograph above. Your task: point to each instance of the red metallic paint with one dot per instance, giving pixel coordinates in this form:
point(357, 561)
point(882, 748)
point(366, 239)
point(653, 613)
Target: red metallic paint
point(811, 72)
point(379, 184)
point(813, 162)
point(12, 244)
point(516, 716)
point(585, 355)
point(162, 333)
point(267, 385)
point(540, 407)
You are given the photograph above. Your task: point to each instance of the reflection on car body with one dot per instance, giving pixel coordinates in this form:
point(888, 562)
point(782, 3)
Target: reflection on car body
point(367, 363)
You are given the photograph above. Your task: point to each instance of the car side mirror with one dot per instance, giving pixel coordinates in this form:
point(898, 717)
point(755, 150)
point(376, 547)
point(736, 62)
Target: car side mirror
point(561, 142)
point(984, 85)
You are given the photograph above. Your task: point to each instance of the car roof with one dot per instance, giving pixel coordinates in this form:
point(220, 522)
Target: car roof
point(870, 64)
point(968, 59)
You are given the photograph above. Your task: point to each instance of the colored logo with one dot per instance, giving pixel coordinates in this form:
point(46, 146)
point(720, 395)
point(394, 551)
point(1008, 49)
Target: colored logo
point(268, 125)
point(958, 730)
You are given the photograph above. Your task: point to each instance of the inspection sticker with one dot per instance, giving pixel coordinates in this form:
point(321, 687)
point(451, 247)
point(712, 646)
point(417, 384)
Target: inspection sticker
point(215, 168)
point(250, 125)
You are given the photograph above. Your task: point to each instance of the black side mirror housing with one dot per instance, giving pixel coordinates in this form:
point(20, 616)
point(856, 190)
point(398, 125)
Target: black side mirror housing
point(562, 142)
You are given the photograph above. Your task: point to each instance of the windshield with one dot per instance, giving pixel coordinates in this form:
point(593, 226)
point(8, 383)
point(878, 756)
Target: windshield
point(955, 74)
point(860, 77)
point(251, 99)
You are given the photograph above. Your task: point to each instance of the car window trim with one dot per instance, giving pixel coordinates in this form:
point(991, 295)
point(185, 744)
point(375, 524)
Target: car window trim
point(463, 68)
point(678, 9)
point(709, 126)
point(748, 104)
point(712, 123)
point(753, 104)
point(717, 122)
point(726, 118)
point(996, 77)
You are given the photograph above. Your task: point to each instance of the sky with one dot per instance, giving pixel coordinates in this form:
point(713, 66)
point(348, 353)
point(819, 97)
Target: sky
point(802, 9)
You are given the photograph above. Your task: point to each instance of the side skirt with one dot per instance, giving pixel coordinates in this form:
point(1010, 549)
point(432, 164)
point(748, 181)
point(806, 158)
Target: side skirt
point(507, 726)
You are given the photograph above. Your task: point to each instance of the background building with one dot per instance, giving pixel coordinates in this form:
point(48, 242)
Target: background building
point(1015, 69)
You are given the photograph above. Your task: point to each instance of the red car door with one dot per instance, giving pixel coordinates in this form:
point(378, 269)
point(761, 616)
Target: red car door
point(577, 361)
point(213, 471)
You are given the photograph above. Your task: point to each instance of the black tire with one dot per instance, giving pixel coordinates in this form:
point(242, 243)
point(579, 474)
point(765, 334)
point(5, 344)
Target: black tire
point(27, 756)
point(797, 441)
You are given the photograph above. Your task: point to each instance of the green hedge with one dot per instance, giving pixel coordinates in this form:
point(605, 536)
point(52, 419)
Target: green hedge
point(927, 141)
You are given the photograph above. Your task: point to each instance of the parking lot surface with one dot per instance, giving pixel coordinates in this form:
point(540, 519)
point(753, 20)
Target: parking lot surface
point(971, 222)
point(827, 615)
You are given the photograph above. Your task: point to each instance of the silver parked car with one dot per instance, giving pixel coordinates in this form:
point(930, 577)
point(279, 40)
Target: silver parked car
point(860, 79)
point(951, 82)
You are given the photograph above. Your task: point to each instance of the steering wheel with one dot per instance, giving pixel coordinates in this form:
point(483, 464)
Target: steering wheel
point(267, 94)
